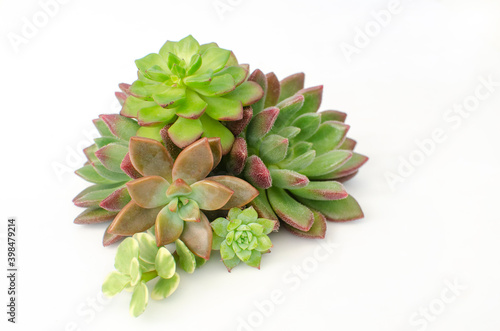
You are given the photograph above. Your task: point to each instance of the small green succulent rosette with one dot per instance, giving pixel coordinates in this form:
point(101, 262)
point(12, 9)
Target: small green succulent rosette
point(242, 236)
point(189, 89)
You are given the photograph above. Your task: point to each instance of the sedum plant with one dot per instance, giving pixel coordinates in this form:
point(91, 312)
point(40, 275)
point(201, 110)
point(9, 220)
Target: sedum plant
point(171, 195)
point(297, 157)
point(242, 237)
point(190, 88)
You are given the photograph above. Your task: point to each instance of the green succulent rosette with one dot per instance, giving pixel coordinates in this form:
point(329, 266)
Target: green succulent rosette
point(190, 88)
point(242, 236)
point(296, 156)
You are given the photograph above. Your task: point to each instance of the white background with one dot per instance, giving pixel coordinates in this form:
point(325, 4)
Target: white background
point(437, 225)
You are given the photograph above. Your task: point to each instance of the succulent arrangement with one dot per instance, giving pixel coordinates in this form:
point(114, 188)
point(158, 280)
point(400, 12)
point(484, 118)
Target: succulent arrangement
point(206, 156)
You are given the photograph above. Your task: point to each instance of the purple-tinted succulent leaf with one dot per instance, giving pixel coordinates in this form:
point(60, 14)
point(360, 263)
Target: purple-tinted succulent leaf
point(120, 126)
point(198, 237)
point(288, 179)
point(261, 124)
point(308, 124)
point(90, 153)
point(332, 115)
point(273, 90)
point(327, 190)
point(88, 173)
point(259, 77)
point(273, 148)
point(288, 108)
point(111, 156)
point(121, 97)
point(150, 158)
point(213, 128)
point(178, 188)
point(168, 227)
point(346, 178)
point(125, 88)
point(190, 212)
point(247, 93)
point(93, 195)
point(243, 191)
point(326, 163)
point(94, 215)
point(348, 144)
point(312, 99)
point(237, 158)
point(127, 167)
point(317, 230)
point(133, 219)
point(193, 107)
point(116, 201)
point(109, 238)
point(149, 192)
point(194, 163)
point(108, 174)
point(172, 148)
point(237, 127)
point(223, 109)
point(102, 128)
point(343, 210)
point(261, 204)
point(257, 173)
point(100, 142)
point(291, 85)
point(290, 210)
point(329, 136)
point(210, 195)
point(185, 131)
point(216, 148)
point(348, 168)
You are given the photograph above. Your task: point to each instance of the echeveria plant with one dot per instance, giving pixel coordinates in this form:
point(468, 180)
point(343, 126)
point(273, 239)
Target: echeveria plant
point(242, 237)
point(204, 156)
point(191, 88)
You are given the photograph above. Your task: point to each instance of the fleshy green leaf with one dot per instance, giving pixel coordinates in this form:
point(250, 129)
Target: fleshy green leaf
point(273, 148)
point(326, 163)
point(165, 287)
point(308, 124)
point(114, 283)
point(187, 260)
point(139, 300)
point(226, 251)
point(329, 136)
point(214, 58)
point(243, 191)
point(135, 272)
point(127, 251)
point(90, 175)
point(94, 215)
point(291, 85)
point(223, 109)
point(133, 219)
point(288, 179)
point(185, 131)
point(168, 227)
point(149, 192)
point(194, 163)
point(327, 190)
point(170, 97)
point(254, 260)
point(220, 226)
point(317, 230)
point(147, 247)
point(213, 128)
point(122, 127)
point(165, 263)
point(289, 210)
point(193, 107)
point(111, 156)
point(267, 225)
point(343, 210)
point(247, 93)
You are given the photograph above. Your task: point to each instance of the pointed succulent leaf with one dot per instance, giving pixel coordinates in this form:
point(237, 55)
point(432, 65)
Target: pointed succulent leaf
point(237, 127)
point(193, 107)
point(290, 210)
point(146, 88)
point(216, 148)
point(216, 242)
point(149, 61)
point(214, 58)
point(329, 136)
point(348, 144)
point(238, 73)
point(220, 226)
point(273, 148)
point(343, 210)
point(210, 195)
point(298, 161)
point(147, 247)
point(116, 200)
point(198, 237)
point(150, 158)
point(332, 115)
point(223, 109)
point(121, 97)
point(127, 251)
point(187, 259)
point(326, 163)
point(289, 132)
point(237, 157)
point(348, 168)
point(254, 260)
point(244, 254)
point(273, 90)
point(243, 191)
point(261, 124)
point(308, 124)
point(155, 115)
point(233, 213)
point(291, 85)
point(170, 97)
point(185, 131)
point(247, 93)
point(94, 215)
point(102, 128)
point(90, 153)
point(190, 212)
point(133, 219)
point(100, 142)
point(267, 225)
point(213, 128)
point(93, 195)
point(199, 80)
point(248, 215)
point(317, 230)
point(150, 132)
point(178, 188)
point(149, 192)
point(121, 127)
point(219, 85)
point(226, 251)
point(194, 163)
point(164, 263)
point(139, 300)
point(165, 287)
point(324, 190)
point(187, 47)
point(258, 77)
point(312, 99)
point(194, 64)
point(257, 173)
point(288, 110)
point(168, 227)
point(264, 243)
point(110, 239)
point(88, 173)
point(114, 283)
point(127, 167)
point(288, 179)
point(263, 208)
point(108, 174)
point(133, 105)
point(230, 264)
point(111, 156)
